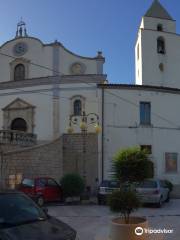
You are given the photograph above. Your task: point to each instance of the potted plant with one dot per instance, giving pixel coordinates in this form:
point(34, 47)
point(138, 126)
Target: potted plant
point(72, 186)
point(131, 165)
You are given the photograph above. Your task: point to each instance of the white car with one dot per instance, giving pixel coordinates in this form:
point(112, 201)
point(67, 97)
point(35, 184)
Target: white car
point(153, 191)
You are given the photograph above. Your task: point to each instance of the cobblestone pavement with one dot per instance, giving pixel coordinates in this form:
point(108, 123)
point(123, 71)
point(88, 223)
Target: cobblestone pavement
point(91, 220)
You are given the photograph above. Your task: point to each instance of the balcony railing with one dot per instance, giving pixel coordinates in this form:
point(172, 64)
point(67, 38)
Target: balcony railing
point(17, 138)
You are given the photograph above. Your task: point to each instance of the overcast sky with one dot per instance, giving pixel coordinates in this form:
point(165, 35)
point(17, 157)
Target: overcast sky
point(85, 26)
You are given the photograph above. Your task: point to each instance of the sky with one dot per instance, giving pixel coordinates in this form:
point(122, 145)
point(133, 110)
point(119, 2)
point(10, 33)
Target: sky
point(85, 27)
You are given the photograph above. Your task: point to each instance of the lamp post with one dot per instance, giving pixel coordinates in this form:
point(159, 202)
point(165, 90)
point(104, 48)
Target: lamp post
point(83, 122)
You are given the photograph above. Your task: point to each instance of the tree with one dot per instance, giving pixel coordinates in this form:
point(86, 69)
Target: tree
point(124, 202)
point(130, 165)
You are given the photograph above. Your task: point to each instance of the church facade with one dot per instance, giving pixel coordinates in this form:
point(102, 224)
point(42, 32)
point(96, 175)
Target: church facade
point(47, 91)
point(48, 79)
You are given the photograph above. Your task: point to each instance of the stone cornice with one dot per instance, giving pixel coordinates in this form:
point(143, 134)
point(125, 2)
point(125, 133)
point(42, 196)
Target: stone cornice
point(50, 80)
point(140, 87)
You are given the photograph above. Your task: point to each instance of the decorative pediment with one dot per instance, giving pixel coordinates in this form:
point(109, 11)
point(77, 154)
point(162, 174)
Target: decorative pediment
point(19, 60)
point(18, 104)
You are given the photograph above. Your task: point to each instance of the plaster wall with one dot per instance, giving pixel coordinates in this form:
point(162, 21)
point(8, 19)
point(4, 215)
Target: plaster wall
point(122, 127)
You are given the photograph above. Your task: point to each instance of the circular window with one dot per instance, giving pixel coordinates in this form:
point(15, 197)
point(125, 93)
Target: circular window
point(20, 48)
point(77, 68)
point(19, 124)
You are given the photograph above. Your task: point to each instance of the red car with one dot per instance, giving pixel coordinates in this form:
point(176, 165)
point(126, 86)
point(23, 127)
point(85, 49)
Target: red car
point(42, 189)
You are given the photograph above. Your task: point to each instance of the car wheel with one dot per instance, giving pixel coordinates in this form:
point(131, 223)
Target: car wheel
point(168, 198)
point(40, 201)
point(159, 204)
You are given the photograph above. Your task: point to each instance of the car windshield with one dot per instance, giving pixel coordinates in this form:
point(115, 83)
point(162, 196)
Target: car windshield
point(111, 184)
point(148, 184)
point(17, 209)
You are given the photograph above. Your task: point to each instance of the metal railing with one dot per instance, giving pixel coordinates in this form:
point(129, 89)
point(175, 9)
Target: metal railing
point(17, 138)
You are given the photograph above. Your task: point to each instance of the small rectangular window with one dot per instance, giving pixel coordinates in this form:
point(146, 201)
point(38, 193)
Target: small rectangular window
point(145, 113)
point(148, 148)
point(171, 162)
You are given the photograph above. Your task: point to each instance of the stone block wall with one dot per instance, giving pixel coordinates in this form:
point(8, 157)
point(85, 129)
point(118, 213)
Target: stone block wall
point(41, 160)
point(72, 153)
point(80, 155)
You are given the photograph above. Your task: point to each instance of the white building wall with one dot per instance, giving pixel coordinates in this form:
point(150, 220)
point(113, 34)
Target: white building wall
point(151, 73)
point(44, 58)
point(37, 54)
point(41, 98)
point(138, 59)
point(67, 92)
point(149, 62)
point(151, 24)
point(67, 59)
point(122, 126)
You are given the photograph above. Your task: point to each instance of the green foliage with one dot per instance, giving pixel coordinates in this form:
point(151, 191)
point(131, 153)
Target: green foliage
point(124, 202)
point(132, 165)
point(169, 185)
point(72, 185)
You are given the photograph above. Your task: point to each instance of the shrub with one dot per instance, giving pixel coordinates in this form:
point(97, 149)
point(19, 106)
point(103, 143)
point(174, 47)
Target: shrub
point(169, 185)
point(132, 165)
point(72, 185)
point(124, 202)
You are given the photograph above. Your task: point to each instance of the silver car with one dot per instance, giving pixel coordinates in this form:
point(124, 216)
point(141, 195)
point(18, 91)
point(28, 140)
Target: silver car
point(105, 189)
point(153, 191)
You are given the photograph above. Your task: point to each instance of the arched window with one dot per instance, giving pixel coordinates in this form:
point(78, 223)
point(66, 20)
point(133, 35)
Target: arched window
point(19, 72)
point(160, 27)
point(161, 45)
point(19, 124)
point(77, 107)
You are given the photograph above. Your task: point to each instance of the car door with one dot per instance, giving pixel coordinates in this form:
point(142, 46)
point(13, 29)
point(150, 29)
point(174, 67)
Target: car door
point(53, 190)
point(40, 184)
point(27, 186)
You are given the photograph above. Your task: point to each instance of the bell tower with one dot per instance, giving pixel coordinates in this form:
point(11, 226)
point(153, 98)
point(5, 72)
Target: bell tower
point(157, 50)
point(21, 29)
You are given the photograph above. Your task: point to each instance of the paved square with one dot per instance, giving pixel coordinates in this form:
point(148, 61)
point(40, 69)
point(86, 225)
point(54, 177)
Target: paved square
point(91, 221)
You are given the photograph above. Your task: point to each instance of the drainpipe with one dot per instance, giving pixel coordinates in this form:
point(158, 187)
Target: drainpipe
point(55, 90)
point(102, 136)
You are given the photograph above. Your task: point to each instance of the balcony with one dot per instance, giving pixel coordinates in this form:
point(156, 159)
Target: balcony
point(17, 138)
